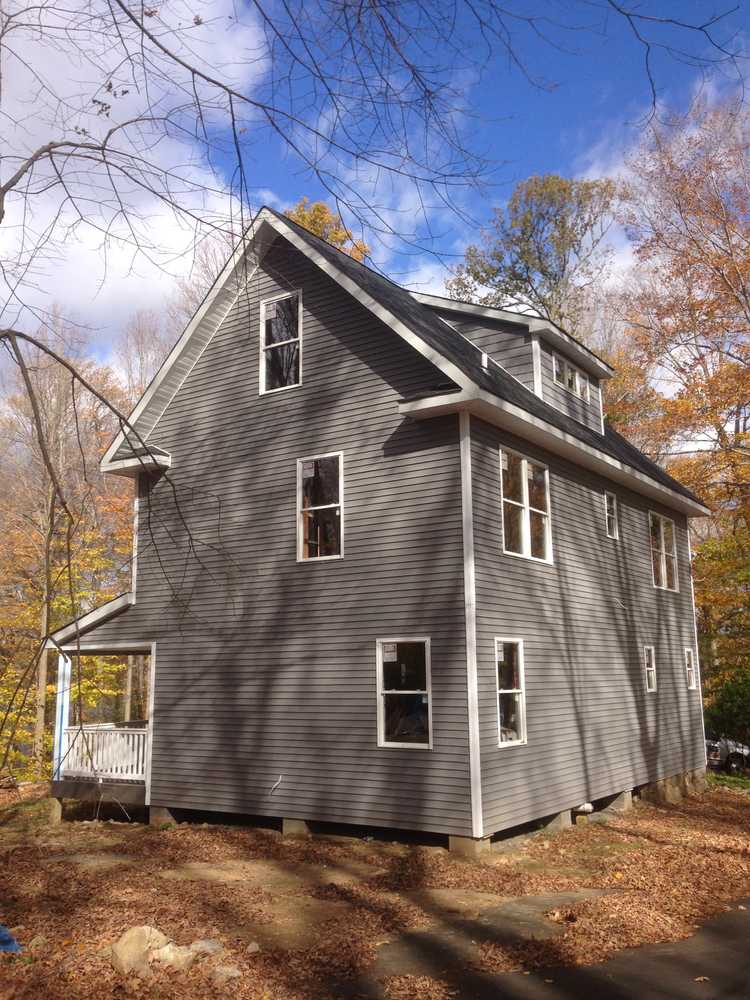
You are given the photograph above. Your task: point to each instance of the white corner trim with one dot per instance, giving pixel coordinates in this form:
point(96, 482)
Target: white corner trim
point(470, 611)
point(150, 732)
point(536, 358)
point(698, 671)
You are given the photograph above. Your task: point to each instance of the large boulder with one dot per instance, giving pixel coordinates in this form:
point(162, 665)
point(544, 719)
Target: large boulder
point(207, 946)
point(176, 956)
point(132, 953)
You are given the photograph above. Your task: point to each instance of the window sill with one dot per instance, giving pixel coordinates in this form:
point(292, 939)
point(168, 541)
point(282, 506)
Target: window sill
point(317, 559)
point(404, 746)
point(514, 743)
point(535, 559)
point(281, 388)
point(666, 590)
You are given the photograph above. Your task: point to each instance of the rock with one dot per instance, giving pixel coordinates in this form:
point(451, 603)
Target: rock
point(37, 942)
point(176, 956)
point(130, 955)
point(224, 974)
point(253, 948)
point(207, 946)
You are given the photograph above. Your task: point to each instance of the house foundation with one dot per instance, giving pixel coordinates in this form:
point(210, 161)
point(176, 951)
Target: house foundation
point(294, 828)
point(55, 811)
point(670, 790)
point(159, 816)
point(469, 847)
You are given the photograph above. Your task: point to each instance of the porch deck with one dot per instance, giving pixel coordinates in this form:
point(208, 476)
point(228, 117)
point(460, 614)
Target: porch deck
point(108, 752)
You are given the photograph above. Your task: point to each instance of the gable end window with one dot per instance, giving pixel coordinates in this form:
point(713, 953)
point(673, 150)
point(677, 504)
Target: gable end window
point(571, 378)
point(404, 693)
point(610, 505)
point(281, 342)
point(320, 507)
point(663, 551)
point(511, 697)
point(524, 488)
point(690, 674)
point(649, 666)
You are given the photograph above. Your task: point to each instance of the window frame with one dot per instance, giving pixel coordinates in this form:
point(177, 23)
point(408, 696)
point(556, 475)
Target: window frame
point(652, 668)
point(526, 508)
point(663, 553)
point(582, 389)
point(616, 514)
point(264, 348)
point(381, 692)
point(300, 534)
point(522, 691)
point(690, 669)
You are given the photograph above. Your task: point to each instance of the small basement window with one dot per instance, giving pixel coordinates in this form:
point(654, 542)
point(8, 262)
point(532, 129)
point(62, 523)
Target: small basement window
point(613, 527)
point(320, 507)
point(663, 551)
point(511, 699)
point(404, 688)
point(570, 377)
point(690, 674)
point(524, 487)
point(649, 666)
point(281, 342)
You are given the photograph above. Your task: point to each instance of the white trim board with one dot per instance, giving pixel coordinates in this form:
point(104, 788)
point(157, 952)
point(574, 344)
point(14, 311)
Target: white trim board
point(92, 618)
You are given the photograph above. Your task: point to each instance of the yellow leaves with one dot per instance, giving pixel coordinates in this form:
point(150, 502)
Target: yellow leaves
point(322, 220)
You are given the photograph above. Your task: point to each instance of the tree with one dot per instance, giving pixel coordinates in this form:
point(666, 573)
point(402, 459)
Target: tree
point(544, 251)
point(728, 710)
point(320, 219)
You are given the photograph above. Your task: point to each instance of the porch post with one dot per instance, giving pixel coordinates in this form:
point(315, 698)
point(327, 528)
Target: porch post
point(62, 711)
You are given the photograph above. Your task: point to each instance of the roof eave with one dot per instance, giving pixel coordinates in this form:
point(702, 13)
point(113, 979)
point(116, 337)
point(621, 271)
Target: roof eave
point(132, 467)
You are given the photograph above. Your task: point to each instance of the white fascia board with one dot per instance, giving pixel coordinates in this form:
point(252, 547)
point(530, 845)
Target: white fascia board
point(512, 418)
point(86, 622)
point(132, 467)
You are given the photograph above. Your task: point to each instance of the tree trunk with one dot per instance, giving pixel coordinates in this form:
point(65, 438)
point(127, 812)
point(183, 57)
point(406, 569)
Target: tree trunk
point(44, 623)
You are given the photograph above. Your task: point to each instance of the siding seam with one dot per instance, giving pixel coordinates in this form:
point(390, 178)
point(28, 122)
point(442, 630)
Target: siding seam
point(470, 604)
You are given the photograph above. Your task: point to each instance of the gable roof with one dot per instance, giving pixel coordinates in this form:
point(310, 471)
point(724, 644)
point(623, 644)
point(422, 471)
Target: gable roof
point(456, 356)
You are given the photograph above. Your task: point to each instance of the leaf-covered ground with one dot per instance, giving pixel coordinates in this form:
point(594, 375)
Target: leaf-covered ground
point(326, 904)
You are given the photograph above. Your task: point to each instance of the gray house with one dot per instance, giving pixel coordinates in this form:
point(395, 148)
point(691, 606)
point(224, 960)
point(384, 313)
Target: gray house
point(392, 567)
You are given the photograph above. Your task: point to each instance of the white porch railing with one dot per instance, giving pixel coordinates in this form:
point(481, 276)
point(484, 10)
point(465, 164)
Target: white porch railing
point(104, 752)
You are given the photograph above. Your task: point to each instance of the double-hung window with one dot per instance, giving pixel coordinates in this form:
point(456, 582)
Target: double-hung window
point(663, 551)
point(404, 718)
point(511, 700)
point(610, 507)
point(320, 507)
point(690, 674)
point(649, 667)
point(570, 377)
point(526, 509)
point(281, 342)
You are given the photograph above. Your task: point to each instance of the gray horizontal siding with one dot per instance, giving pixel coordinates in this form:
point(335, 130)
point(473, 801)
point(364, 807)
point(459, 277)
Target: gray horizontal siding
point(586, 413)
point(266, 667)
point(592, 728)
point(509, 345)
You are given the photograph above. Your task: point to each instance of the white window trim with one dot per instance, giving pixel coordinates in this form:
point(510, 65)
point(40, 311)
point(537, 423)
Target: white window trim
point(262, 341)
point(662, 553)
point(694, 686)
point(340, 504)
point(655, 688)
point(526, 520)
point(522, 691)
point(581, 378)
point(382, 743)
point(616, 536)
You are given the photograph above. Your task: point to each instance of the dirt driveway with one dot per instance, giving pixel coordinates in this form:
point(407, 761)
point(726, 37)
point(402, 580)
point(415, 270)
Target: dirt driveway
point(334, 916)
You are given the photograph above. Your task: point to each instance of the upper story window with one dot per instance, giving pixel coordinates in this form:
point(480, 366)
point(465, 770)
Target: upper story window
point(281, 342)
point(663, 551)
point(690, 674)
point(649, 666)
point(320, 508)
point(613, 526)
point(526, 511)
point(404, 718)
point(570, 377)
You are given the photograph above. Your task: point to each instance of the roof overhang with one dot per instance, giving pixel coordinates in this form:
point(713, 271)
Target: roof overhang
point(132, 467)
point(69, 635)
point(552, 334)
point(512, 418)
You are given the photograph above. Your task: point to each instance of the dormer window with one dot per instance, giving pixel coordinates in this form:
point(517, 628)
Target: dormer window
point(281, 342)
point(571, 378)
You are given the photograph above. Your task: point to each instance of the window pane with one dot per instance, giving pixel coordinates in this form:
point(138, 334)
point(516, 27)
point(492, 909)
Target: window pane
point(406, 718)
point(559, 370)
point(512, 481)
point(671, 572)
point(321, 533)
point(408, 671)
point(281, 320)
point(538, 531)
point(570, 378)
point(657, 568)
point(583, 385)
point(510, 717)
point(508, 672)
point(537, 477)
point(668, 529)
point(320, 481)
point(512, 534)
point(282, 366)
point(653, 524)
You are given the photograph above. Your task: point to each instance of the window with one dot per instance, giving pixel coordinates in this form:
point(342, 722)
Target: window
point(610, 503)
point(511, 700)
point(649, 665)
point(320, 512)
point(525, 501)
point(281, 342)
point(404, 718)
point(663, 551)
point(690, 675)
point(570, 377)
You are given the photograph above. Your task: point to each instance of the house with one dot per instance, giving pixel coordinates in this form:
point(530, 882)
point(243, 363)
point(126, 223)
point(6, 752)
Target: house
point(392, 567)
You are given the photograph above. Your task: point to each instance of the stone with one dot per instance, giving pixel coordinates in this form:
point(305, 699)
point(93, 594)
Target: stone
point(253, 948)
point(621, 803)
point(207, 946)
point(160, 816)
point(176, 956)
point(294, 828)
point(469, 847)
point(224, 974)
point(131, 953)
point(55, 811)
point(37, 942)
point(560, 821)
